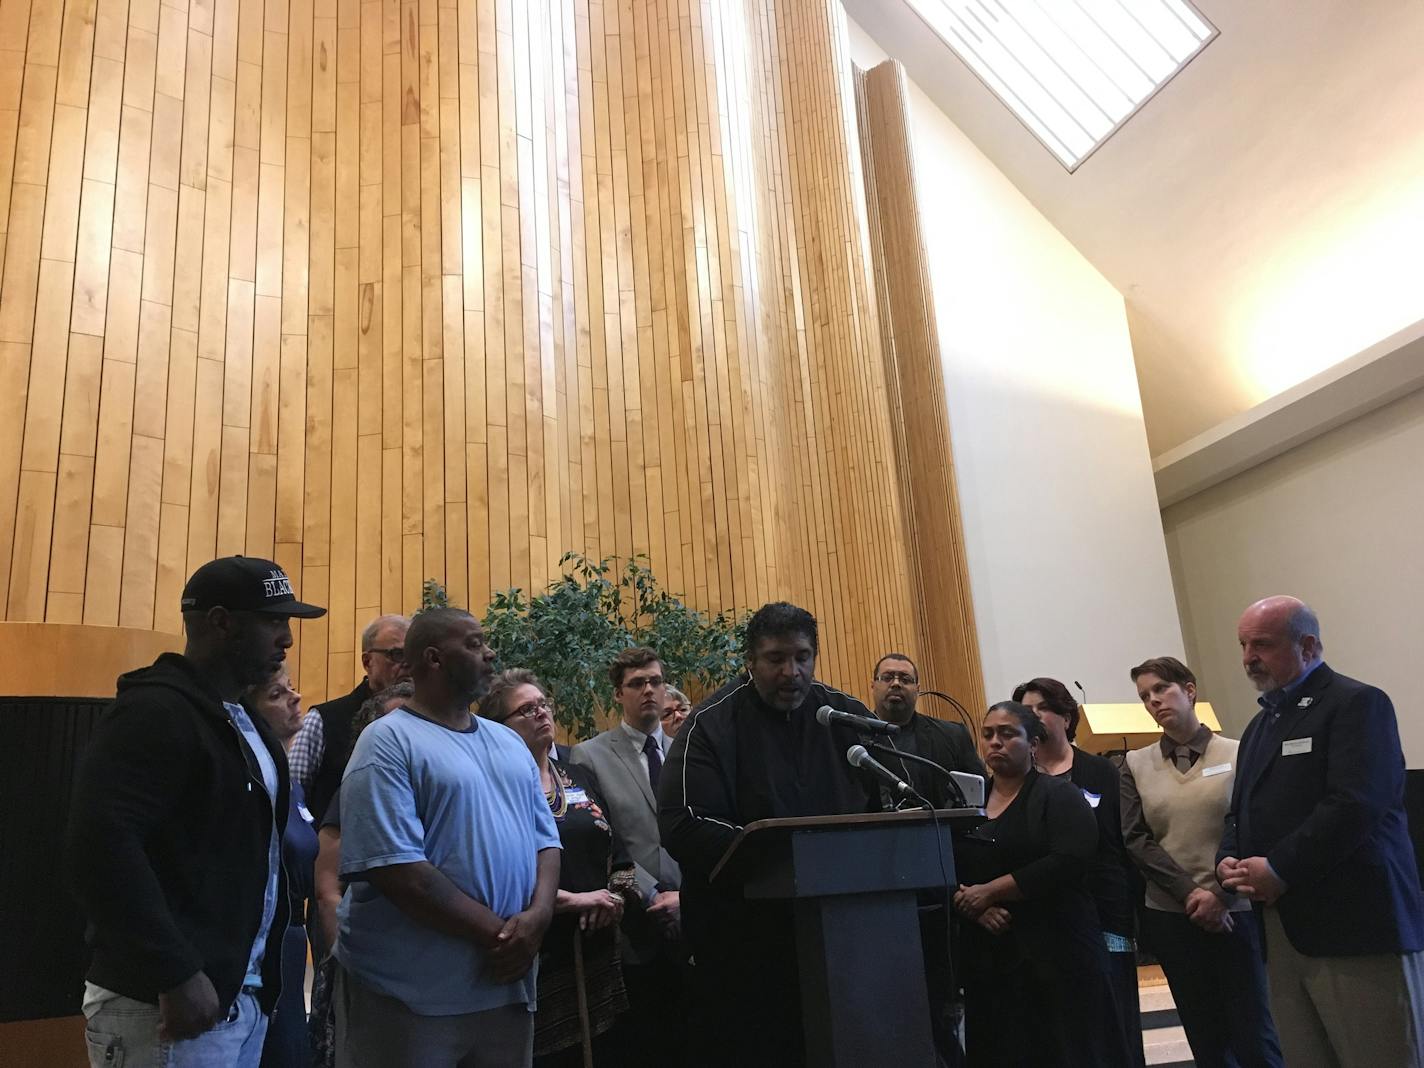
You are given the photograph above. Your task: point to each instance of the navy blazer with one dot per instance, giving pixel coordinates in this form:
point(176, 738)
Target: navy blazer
point(1320, 794)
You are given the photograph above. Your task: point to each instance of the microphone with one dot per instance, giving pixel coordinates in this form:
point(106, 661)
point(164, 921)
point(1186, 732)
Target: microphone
point(966, 788)
point(859, 757)
point(826, 715)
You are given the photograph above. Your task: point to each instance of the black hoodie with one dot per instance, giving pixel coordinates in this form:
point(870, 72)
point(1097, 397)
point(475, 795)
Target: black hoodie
point(167, 847)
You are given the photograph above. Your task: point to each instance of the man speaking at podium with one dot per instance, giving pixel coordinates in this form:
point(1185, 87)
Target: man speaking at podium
point(752, 751)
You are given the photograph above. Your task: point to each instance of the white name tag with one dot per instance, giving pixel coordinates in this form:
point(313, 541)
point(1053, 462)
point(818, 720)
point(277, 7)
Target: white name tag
point(1215, 769)
point(1093, 799)
point(575, 796)
point(1296, 746)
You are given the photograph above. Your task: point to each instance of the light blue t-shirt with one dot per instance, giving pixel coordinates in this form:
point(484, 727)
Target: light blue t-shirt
point(469, 802)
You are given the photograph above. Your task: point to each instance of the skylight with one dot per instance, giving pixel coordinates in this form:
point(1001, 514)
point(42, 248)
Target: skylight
point(1072, 70)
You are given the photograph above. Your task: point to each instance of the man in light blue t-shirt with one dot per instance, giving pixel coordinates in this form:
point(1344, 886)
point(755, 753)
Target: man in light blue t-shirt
point(453, 860)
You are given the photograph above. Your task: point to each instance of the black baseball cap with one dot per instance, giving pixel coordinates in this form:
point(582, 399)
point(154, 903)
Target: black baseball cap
point(245, 584)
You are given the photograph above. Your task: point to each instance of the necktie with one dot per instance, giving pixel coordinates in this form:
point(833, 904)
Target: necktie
point(1183, 758)
point(655, 761)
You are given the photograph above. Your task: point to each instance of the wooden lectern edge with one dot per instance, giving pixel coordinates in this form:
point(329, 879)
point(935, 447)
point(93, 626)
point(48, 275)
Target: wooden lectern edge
point(811, 823)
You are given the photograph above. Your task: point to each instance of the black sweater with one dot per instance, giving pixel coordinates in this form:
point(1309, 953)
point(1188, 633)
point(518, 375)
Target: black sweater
point(1113, 881)
point(737, 760)
point(168, 838)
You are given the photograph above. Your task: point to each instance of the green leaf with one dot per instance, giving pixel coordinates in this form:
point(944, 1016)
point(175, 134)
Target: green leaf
point(570, 633)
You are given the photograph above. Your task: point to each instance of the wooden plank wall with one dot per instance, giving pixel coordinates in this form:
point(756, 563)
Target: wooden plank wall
point(396, 289)
point(924, 458)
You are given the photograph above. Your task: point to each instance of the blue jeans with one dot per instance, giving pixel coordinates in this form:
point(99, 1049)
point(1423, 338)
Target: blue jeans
point(123, 1033)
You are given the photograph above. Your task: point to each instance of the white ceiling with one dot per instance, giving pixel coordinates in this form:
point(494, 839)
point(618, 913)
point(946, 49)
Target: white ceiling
point(1263, 214)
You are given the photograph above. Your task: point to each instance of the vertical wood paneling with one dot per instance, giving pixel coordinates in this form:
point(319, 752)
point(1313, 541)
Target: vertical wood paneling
point(915, 382)
point(397, 289)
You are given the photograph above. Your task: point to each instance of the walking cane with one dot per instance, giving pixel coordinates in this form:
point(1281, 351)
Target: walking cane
point(582, 1000)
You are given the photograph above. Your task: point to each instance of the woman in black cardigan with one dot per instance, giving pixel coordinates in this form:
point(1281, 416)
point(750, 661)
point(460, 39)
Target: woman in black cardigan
point(1113, 880)
point(1034, 939)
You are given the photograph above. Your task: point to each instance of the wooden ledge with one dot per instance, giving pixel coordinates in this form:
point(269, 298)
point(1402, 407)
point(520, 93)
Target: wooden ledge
point(69, 660)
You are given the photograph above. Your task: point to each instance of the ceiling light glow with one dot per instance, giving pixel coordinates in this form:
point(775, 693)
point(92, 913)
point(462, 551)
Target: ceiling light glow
point(1073, 71)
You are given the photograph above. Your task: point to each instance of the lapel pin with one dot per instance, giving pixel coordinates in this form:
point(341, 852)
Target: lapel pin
point(1305, 702)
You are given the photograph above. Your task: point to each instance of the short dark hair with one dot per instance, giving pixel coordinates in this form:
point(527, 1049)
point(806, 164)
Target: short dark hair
point(896, 656)
point(628, 659)
point(1056, 697)
point(1028, 719)
point(778, 619)
point(501, 686)
point(428, 629)
point(1166, 668)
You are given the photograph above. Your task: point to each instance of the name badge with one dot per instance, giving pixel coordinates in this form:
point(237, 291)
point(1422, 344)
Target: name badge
point(305, 813)
point(1215, 769)
point(575, 796)
point(1296, 746)
point(1092, 798)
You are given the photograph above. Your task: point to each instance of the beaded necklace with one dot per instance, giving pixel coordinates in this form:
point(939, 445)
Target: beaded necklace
point(557, 798)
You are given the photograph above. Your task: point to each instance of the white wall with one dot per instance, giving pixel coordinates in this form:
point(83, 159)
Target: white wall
point(1339, 522)
point(1066, 556)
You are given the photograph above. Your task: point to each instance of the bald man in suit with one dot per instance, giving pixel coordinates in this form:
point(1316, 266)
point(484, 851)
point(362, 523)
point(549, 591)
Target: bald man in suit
point(1316, 836)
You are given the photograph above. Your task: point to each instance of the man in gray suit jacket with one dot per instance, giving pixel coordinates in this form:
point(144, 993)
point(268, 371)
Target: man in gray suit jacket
point(627, 761)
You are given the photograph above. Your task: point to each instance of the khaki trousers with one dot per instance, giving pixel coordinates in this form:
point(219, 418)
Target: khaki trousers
point(1345, 1012)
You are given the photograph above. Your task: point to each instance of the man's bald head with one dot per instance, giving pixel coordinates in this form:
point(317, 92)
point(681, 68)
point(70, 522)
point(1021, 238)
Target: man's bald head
point(431, 629)
point(1280, 641)
point(449, 661)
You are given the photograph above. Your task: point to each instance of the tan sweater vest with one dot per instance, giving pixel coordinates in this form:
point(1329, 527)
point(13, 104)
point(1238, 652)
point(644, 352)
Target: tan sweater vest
point(1186, 813)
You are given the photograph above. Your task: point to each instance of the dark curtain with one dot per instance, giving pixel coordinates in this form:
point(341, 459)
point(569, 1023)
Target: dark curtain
point(42, 952)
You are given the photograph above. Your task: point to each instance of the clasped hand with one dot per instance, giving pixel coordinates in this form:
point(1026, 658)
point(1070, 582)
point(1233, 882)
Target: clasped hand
point(1208, 911)
point(517, 945)
point(1251, 878)
point(598, 909)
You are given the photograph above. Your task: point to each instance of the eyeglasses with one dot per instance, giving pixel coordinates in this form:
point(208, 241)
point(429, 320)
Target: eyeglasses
point(395, 655)
point(640, 682)
point(532, 709)
point(902, 677)
point(675, 710)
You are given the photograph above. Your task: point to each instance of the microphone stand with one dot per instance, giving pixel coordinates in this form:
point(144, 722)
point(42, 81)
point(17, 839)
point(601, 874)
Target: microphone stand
point(963, 712)
point(887, 750)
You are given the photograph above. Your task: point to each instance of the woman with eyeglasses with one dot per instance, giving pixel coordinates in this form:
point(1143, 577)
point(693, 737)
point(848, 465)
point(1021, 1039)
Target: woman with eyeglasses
point(676, 708)
point(1032, 934)
point(579, 972)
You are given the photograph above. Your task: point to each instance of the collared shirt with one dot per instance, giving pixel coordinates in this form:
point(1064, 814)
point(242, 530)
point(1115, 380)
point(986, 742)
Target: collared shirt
point(1195, 745)
point(640, 739)
point(253, 740)
point(1147, 853)
point(308, 747)
point(1274, 700)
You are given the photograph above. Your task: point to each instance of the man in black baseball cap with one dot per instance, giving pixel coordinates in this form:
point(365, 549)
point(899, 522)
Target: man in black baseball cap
point(245, 584)
point(173, 848)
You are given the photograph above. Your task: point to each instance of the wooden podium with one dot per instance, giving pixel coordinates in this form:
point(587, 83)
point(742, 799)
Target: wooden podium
point(853, 881)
